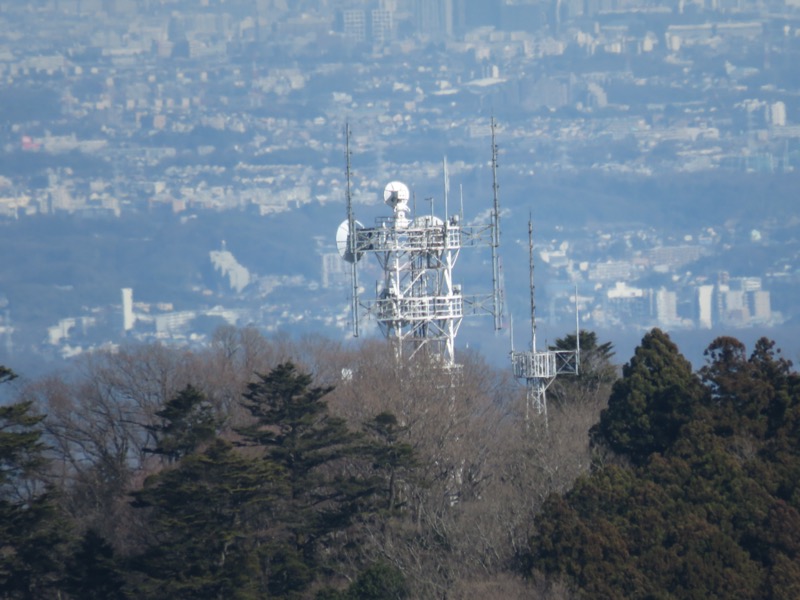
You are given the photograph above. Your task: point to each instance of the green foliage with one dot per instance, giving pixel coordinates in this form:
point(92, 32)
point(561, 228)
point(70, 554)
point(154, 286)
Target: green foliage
point(201, 516)
point(748, 396)
point(706, 504)
point(188, 422)
point(93, 573)
point(392, 459)
point(595, 366)
point(596, 370)
point(379, 582)
point(651, 402)
point(620, 534)
point(261, 519)
point(710, 511)
point(290, 573)
point(327, 469)
point(294, 428)
point(20, 446)
point(6, 374)
point(32, 535)
point(32, 545)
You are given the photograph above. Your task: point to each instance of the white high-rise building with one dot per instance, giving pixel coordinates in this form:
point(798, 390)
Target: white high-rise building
point(777, 113)
point(382, 26)
point(355, 24)
point(434, 17)
point(735, 310)
point(128, 318)
point(761, 308)
point(666, 307)
point(705, 295)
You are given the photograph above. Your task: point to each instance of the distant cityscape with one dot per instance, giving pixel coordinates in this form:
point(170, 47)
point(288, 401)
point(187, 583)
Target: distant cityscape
point(112, 109)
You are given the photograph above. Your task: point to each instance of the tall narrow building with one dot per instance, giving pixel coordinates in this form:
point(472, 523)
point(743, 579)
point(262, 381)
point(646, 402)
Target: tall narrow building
point(705, 294)
point(128, 317)
point(434, 18)
point(382, 26)
point(355, 24)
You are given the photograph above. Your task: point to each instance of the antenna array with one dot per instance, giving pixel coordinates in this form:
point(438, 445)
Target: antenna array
point(539, 368)
point(418, 305)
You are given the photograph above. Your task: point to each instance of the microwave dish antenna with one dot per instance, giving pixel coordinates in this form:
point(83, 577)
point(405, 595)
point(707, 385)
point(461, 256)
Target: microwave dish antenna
point(344, 241)
point(396, 193)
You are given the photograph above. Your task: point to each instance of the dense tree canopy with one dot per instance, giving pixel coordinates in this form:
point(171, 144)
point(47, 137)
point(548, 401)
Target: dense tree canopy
point(325, 466)
point(187, 421)
point(203, 526)
point(596, 371)
point(710, 508)
point(651, 402)
point(236, 473)
point(31, 532)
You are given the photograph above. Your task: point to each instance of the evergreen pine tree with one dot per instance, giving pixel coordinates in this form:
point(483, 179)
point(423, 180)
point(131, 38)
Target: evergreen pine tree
point(188, 421)
point(32, 534)
point(327, 469)
point(651, 402)
point(94, 573)
point(596, 371)
point(203, 544)
point(711, 507)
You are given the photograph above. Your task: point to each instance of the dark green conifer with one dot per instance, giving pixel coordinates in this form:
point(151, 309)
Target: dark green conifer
point(94, 573)
point(392, 458)
point(326, 467)
point(710, 508)
point(188, 421)
point(651, 402)
point(32, 534)
point(596, 371)
point(203, 544)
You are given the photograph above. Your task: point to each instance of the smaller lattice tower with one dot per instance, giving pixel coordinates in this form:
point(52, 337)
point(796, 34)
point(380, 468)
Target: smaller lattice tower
point(539, 368)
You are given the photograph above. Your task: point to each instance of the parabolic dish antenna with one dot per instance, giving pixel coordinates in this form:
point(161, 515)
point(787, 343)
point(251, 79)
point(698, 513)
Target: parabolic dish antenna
point(343, 241)
point(396, 193)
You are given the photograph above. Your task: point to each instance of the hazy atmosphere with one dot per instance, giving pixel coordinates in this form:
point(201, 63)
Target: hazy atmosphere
point(182, 284)
point(654, 145)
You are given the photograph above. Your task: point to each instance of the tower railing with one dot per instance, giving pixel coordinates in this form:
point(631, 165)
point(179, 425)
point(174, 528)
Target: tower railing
point(436, 238)
point(544, 364)
point(419, 308)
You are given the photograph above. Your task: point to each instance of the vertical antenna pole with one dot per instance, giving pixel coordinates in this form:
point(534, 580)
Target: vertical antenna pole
point(511, 330)
point(497, 293)
point(446, 187)
point(577, 334)
point(533, 287)
point(461, 199)
point(351, 234)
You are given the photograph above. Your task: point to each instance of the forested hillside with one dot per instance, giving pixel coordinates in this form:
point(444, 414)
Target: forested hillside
point(283, 468)
point(694, 491)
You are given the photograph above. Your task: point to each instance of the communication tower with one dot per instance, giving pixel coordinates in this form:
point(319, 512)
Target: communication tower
point(539, 368)
point(418, 305)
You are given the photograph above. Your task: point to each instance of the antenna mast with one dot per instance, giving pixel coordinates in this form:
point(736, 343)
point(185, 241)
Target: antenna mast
point(351, 237)
point(540, 368)
point(418, 305)
point(497, 292)
point(533, 287)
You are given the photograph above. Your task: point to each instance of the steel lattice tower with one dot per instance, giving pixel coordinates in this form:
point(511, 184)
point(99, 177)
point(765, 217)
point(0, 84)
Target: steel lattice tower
point(539, 368)
point(418, 305)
